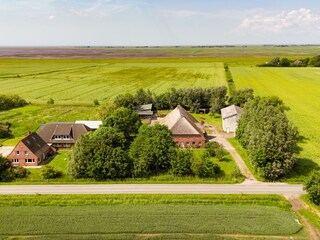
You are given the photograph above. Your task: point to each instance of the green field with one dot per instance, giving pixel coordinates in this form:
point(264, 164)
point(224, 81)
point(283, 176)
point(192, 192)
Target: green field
point(299, 88)
point(147, 217)
point(77, 81)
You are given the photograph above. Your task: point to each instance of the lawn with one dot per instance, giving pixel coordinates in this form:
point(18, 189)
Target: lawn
point(140, 216)
point(82, 81)
point(299, 88)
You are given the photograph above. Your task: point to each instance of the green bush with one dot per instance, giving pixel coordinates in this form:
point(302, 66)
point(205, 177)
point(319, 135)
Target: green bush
point(50, 101)
point(205, 168)
point(181, 165)
point(312, 186)
point(96, 102)
point(11, 101)
point(49, 172)
point(21, 172)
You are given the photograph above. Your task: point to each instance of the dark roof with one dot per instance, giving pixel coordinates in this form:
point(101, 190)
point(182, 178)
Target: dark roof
point(36, 144)
point(73, 130)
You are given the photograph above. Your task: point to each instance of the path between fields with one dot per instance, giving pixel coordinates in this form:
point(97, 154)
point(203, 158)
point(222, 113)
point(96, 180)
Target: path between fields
point(221, 138)
point(298, 204)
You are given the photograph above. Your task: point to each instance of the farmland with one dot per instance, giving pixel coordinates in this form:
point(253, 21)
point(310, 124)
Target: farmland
point(147, 216)
point(299, 88)
point(77, 81)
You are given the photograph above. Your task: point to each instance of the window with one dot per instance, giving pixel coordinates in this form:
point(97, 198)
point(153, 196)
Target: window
point(26, 153)
point(187, 143)
point(15, 160)
point(193, 143)
point(29, 160)
point(17, 152)
point(200, 143)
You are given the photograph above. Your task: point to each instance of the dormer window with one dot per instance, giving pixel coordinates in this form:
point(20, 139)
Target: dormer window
point(17, 152)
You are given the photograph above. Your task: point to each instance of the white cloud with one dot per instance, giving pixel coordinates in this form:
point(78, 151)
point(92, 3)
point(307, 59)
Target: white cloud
point(51, 17)
point(298, 20)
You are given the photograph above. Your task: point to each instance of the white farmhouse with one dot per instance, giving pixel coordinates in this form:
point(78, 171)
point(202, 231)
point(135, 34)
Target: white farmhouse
point(230, 117)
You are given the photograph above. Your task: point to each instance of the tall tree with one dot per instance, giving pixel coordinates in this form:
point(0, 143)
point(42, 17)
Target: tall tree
point(271, 140)
point(152, 151)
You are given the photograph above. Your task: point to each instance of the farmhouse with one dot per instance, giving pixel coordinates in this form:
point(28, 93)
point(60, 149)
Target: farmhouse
point(31, 151)
point(186, 130)
point(62, 134)
point(230, 117)
point(144, 111)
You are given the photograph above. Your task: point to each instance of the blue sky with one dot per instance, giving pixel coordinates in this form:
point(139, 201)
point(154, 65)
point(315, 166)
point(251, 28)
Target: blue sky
point(158, 22)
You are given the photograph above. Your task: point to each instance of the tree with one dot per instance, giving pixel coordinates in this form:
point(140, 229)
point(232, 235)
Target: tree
point(285, 62)
point(152, 151)
point(242, 96)
point(143, 97)
point(314, 62)
point(312, 186)
point(218, 99)
point(271, 140)
point(100, 155)
point(181, 164)
point(6, 169)
point(221, 153)
point(204, 167)
point(125, 101)
point(124, 120)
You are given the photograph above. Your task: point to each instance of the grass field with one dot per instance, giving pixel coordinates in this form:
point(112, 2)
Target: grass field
point(77, 82)
point(299, 88)
point(147, 217)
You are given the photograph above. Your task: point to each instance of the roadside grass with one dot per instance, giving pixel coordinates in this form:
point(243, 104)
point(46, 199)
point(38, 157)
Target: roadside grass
point(312, 213)
point(31, 117)
point(244, 155)
point(136, 216)
point(299, 88)
point(143, 199)
point(60, 162)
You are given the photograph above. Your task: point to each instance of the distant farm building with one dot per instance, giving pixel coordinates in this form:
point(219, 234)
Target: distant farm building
point(230, 117)
point(62, 134)
point(186, 130)
point(31, 151)
point(144, 111)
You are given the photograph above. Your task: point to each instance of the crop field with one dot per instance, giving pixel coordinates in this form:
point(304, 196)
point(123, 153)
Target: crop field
point(77, 81)
point(147, 216)
point(299, 88)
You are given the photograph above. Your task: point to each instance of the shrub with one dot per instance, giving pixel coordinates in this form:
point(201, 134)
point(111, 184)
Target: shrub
point(21, 172)
point(6, 170)
point(211, 148)
point(49, 172)
point(11, 101)
point(312, 186)
point(204, 167)
point(181, 164)
point(50, 101)
point(96, 102)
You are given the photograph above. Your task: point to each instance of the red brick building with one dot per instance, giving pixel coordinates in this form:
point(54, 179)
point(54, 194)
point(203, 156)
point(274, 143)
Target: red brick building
point(30, 151)
point(186, 130)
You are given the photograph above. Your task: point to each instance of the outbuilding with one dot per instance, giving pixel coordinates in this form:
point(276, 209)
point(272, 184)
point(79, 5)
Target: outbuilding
point(230, 117)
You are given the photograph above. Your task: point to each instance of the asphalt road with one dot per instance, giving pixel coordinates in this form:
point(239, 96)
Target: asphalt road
point(248, 187)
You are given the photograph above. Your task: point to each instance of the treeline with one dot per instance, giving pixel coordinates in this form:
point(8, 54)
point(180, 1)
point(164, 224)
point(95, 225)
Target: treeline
point(192, 99)
point(8, 102)
point(124, 148)
point(271, 140)
point(285, 62)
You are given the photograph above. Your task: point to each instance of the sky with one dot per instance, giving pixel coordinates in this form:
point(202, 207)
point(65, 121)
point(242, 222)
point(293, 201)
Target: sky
point(158, 22)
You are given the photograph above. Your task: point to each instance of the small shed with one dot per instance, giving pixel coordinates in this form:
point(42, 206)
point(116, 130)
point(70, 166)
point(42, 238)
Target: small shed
point(230, 117)
point(144, 111)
